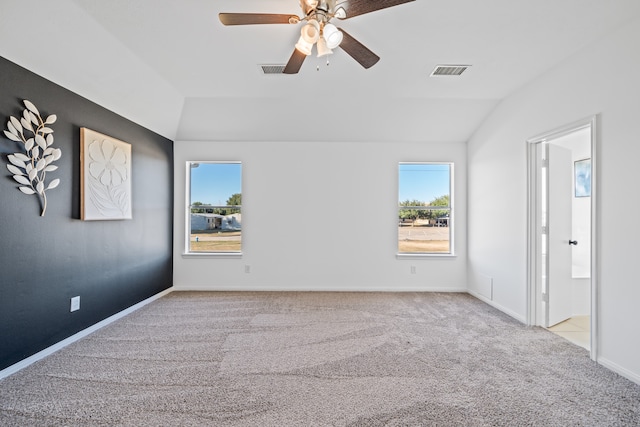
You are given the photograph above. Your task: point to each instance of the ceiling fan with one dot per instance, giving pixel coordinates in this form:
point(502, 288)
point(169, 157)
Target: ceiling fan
point(318, 28)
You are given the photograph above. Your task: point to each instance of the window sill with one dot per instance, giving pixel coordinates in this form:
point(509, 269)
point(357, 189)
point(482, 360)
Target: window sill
point(212, 255)
point(420, 255)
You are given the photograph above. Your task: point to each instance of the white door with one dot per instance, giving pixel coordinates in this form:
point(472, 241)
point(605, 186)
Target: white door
point(559, 207)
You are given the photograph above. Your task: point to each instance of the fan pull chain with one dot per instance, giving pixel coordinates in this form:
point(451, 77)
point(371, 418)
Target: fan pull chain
point(318, 66)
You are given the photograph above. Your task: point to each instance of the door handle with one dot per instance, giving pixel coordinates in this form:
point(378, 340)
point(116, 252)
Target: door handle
point(573, 242)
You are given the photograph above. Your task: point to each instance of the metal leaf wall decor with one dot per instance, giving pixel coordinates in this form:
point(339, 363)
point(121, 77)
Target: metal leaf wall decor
point(31, 167)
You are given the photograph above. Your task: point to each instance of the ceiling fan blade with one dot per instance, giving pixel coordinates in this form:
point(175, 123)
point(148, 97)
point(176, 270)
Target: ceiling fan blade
point(257, 18)
point(295, 62)
point(358, 51)
point(360, 7)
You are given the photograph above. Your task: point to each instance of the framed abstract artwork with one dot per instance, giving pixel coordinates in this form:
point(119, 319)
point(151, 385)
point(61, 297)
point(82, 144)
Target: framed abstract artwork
point(105, 176)
point(582, 178)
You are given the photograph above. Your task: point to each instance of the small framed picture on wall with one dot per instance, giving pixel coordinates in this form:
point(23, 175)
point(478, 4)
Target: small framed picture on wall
point(582, 178)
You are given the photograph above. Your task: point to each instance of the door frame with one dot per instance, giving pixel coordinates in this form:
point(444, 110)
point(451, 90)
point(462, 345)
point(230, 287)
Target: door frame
point(534, 290)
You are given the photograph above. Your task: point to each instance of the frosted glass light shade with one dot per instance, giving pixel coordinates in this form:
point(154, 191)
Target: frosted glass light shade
point(323, 50)
point(311, 31)
point(332, 35)
point(303, 46)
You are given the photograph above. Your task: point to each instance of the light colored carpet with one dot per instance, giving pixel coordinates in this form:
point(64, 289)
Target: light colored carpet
point(319, 359)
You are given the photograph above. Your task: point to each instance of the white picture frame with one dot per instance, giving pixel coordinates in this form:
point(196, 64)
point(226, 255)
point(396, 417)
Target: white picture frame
point(582, 178)
point(105, 176)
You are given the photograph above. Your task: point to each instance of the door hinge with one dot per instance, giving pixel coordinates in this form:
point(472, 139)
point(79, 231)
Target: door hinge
point(545, 163)
point(544, 229)
point(545, 297)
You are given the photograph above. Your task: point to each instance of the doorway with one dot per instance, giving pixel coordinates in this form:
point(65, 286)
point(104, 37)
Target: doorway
point(562, 230)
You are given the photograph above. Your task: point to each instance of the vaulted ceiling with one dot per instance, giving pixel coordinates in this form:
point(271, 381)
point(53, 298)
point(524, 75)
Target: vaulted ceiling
point(173, 67)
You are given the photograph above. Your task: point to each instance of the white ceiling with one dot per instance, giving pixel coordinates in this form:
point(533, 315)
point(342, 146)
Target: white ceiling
point(173, 67)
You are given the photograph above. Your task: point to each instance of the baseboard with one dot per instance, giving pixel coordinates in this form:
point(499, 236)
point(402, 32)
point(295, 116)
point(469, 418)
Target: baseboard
point(268, 288)
point(73, 338)
point(632, 376)
point(497, 306)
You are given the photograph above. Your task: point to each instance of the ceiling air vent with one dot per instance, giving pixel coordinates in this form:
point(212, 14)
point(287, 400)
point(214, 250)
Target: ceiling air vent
point(449, 70)
point(272, 69)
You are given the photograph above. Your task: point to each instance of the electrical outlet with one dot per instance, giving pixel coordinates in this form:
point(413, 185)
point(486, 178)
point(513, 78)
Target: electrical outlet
point(413, 269)
point(247, 269)
point(75, 303)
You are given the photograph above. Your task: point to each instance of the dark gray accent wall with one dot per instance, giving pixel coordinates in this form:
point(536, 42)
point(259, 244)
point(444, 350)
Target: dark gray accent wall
point(45, 261)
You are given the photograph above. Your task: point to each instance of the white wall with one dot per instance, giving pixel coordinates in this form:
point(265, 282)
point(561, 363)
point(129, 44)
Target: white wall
point(601, 79)
point(340, 232)
point(78, 53)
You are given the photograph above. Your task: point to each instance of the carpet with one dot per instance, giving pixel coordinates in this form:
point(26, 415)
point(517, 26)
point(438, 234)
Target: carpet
point(318, 359)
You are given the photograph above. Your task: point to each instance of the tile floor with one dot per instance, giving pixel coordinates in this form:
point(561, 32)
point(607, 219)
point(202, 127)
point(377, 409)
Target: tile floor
point(575, 329)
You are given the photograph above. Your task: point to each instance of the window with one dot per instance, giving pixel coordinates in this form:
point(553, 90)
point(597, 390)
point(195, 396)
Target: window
point(214, 212)
point(425, 211)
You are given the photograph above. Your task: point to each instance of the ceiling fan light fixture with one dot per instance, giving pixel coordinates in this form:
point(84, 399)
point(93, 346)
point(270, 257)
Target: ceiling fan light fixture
point(317, 28)
point(310, 32)
point(323, 50)
point(332, 35)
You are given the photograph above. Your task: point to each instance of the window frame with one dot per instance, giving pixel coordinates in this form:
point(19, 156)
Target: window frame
point(188, 206)
point(450, 208)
